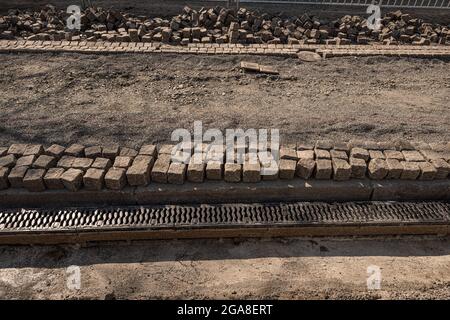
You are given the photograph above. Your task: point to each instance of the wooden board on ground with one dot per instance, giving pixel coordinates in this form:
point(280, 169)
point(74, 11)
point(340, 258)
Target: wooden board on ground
point(255, 67)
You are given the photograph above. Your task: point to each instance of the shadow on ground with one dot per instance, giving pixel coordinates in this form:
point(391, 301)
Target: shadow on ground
point(217, 249)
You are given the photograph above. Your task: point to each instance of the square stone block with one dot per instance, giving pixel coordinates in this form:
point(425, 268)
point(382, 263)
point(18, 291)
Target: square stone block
point(176, 173)
point(93, 179)
point(123, 162)
point(33, 149)
point(269, 165)
point(8, 161)
point(55, 150)
point(160, 169)
point(143, 159)
point(305, 168)
point(44, 162)
point(214, 170)
point(17, 149)
point(427, 171)
point(93, 152)
point(324, 144)
point(251, 172)
point(115, 178)
point(128, 152)
point(82, 163)
point(378, 169)
point(376, 154)
point(341, 170)
point(52, 178)
point(413, 156)
point(305, 154)
point(75, 150)
point(359, 153)
point(359, 168)
point(139, 174)
point(25, 161)
point(232, 172)
point(148, 150)
point(338, 154)
point(65, 162)
point(324, 169)
point(411, 170)
point(34, 180)
point(287, 169)
point(166, 149)
point(322, 154)
point(16, 176)
point(4, 184)
point(395, 168)
point(442, 167)
point(432, 155)
point(394, 154)
point(110, 152)
point(195, 171)
point(102, 163)
point(288, 153)
point(72, 179)
point(342, 146)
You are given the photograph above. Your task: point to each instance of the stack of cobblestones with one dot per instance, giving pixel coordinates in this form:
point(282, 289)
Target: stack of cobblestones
point(220, 25)
point(96, 167)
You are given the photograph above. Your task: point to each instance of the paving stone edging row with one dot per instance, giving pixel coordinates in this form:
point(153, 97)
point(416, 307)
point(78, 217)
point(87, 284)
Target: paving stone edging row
point(9, 46)
point(111, 167)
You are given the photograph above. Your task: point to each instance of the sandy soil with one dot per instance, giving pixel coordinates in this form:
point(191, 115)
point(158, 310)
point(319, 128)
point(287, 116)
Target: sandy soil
point(132, 99)
point(411, 268)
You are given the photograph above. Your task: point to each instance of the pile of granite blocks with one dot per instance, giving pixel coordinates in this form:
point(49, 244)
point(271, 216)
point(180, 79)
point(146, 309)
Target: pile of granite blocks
point(219, 25)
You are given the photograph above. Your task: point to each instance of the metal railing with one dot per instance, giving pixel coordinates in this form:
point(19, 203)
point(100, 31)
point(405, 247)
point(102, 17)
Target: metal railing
point(419, 4)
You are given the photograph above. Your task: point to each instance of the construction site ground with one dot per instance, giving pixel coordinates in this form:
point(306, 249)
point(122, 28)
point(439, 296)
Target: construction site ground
point(411, 268)
point(173, 7)
point(131, 99)
point(135, 99)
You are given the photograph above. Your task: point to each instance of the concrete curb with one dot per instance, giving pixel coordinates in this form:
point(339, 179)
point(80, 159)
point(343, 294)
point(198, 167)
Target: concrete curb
point(308, 231)
point(222, 192)
point(411, 190)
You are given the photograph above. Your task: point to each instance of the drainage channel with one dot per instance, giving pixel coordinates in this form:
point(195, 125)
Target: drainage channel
point(226, 220)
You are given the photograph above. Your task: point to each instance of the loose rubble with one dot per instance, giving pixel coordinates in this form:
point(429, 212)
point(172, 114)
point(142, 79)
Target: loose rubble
point(219, 25)
point(93, 168)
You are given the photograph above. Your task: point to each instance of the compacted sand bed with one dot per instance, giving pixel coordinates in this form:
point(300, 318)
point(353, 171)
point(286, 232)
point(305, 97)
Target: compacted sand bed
point(132, 99)
point(411, 268)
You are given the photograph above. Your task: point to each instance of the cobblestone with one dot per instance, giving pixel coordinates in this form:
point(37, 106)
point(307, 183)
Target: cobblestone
point(141, 168)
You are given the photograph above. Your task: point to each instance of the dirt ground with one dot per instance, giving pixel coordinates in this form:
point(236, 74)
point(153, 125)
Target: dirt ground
point(411, 268)
point(132, 99)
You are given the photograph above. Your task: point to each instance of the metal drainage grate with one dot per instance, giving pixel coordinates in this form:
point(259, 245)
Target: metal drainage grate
point(228, 215)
